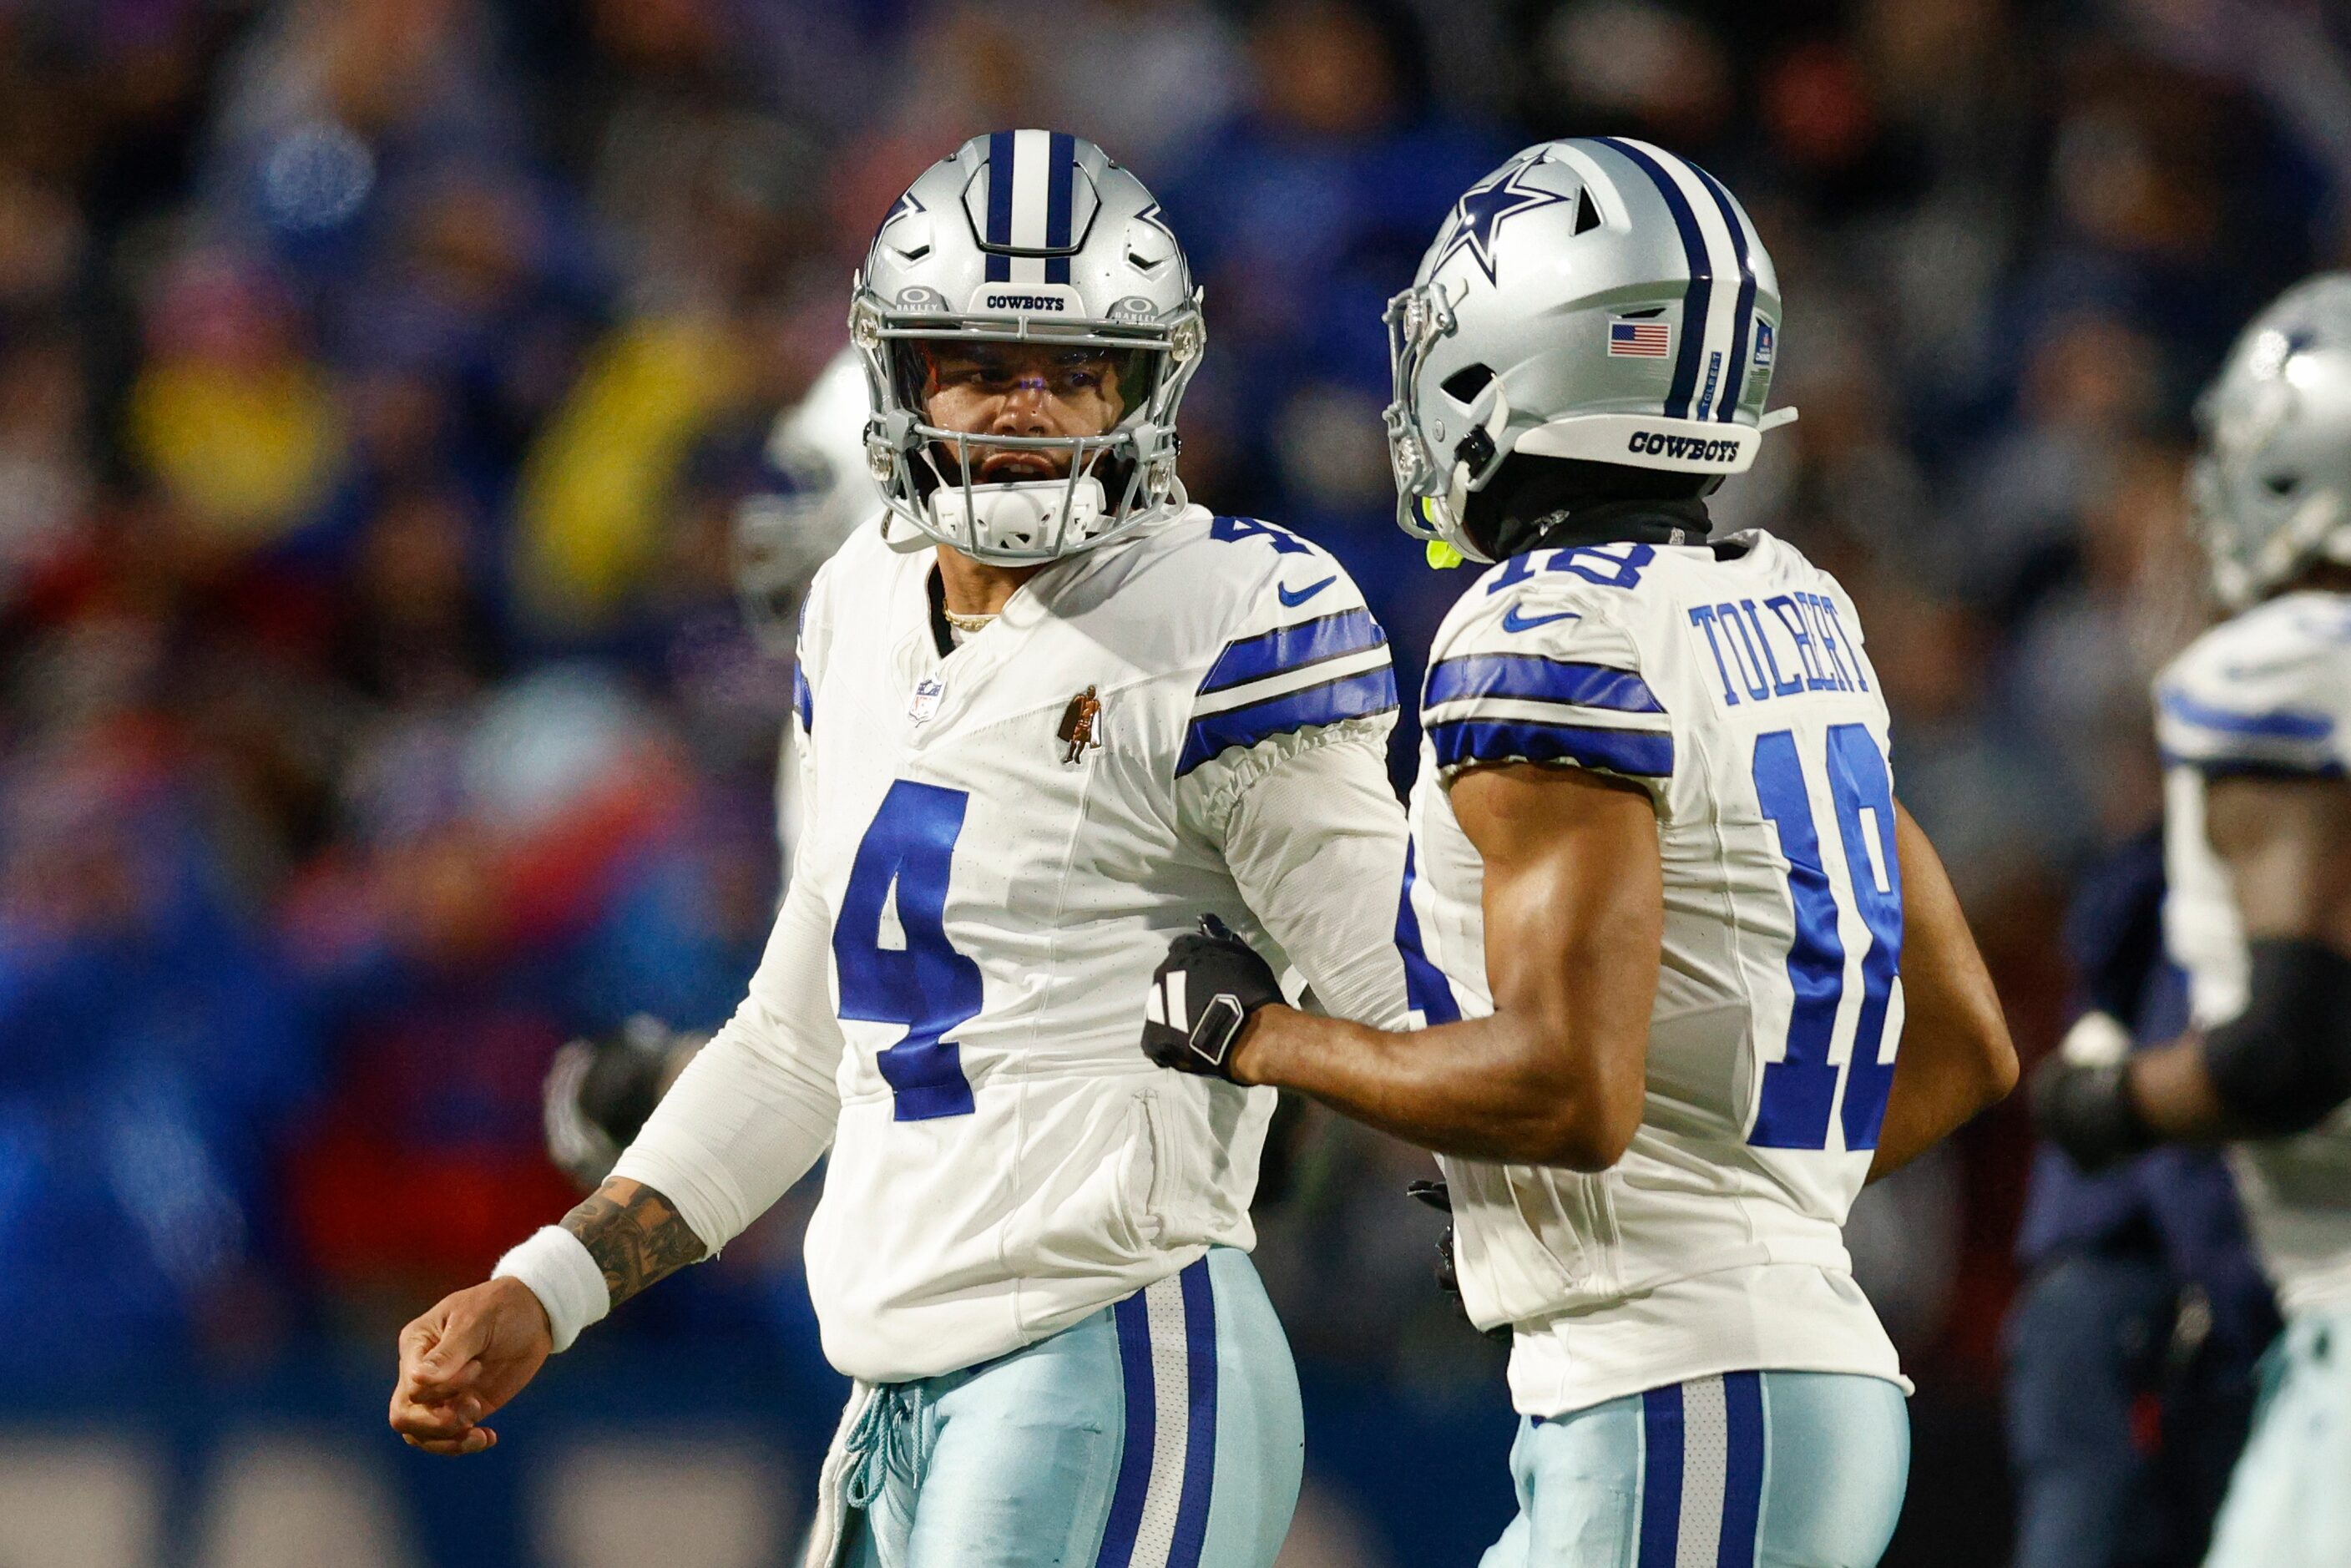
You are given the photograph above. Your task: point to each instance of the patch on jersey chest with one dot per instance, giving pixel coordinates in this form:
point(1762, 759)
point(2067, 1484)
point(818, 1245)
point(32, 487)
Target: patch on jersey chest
point(924, 705)
point(1077, 731)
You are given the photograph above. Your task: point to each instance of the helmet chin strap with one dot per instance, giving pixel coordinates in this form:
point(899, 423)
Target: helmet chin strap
point(1489, 417)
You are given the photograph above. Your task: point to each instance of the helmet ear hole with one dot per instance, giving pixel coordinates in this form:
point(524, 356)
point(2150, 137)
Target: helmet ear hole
point(2281, 484)
point(1464, 384)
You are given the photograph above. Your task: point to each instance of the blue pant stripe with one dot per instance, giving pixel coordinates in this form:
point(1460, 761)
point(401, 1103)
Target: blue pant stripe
point(1661, 1476)
point(1700, 291)
point(1200, 1436)
point(1134, 1319)
point(1742, 1484)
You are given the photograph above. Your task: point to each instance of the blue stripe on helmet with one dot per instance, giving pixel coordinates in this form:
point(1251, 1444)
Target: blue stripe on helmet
point(1734, 382)
point(1538, 679)
point(1700, 291)
point(1661, 1476)
point(999, 204)
point(1426, 990)
point(1742, 1475)
point(1293, 647)
point(1133, 1317)
point(1637, 753)
point(1350, 697)
point(1191, 1530)
point(1061, 177)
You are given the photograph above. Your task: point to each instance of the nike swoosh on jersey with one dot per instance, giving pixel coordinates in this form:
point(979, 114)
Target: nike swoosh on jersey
point(1513, 621)
point(1294, 600)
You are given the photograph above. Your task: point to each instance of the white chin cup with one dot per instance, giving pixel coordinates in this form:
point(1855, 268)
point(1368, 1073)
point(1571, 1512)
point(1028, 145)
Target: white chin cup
point(1033, 519)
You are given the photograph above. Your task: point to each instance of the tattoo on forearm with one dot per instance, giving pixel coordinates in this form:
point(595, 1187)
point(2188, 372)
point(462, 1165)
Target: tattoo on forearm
point(635, 1243)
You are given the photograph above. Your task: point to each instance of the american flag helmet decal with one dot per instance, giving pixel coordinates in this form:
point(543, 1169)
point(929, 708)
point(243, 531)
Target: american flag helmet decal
point(1639, 339)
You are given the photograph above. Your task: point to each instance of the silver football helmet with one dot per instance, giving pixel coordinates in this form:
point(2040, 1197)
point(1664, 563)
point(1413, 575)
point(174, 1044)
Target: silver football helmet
point(819, 490)
point(1596, 299)
point(1027, 236)
point(2271, 486)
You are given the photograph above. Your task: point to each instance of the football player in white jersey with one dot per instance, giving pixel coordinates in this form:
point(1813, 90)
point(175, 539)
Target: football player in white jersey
point(1048, 711)
point(2254, 721)
point(1669, 922)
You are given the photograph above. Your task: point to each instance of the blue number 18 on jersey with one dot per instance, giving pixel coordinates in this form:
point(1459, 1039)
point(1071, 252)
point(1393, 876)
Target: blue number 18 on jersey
point(1799, 1089)
point(921, 980)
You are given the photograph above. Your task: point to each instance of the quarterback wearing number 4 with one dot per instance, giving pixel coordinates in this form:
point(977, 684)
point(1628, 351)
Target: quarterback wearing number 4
point(1049, 713)
point(1668, 924)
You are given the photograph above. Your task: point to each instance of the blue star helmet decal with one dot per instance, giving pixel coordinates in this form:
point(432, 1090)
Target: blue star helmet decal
point(904, 206)
point(1481, 209)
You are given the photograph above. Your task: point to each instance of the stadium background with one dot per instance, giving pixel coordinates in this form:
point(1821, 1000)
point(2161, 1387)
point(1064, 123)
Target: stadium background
point(378, 378)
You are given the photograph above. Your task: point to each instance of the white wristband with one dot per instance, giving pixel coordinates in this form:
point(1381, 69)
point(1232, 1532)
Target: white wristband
point(562, 1273)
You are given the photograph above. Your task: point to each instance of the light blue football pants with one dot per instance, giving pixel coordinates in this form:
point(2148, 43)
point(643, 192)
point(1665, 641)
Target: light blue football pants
point(1161, 1432)
point(1750, 1470)
point(2289, 1503)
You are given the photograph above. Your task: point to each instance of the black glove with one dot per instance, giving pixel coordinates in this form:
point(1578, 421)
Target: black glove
point(1200, 997)
point(598, 1091)
point(1438, 1196)
point(2088, 1111)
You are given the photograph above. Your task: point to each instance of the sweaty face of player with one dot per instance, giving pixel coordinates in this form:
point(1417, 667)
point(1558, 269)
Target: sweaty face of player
point(1022, 390)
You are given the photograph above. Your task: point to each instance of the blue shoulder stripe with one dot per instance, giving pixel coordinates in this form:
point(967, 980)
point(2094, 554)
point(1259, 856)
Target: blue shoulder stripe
point(2279, 724)
point(803, 699)
point(1360, 696)
point(1641, 753)
point(1287, 648)
point(1541, 679)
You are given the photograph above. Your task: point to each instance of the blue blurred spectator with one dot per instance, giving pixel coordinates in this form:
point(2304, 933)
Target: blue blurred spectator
point(154, 1057)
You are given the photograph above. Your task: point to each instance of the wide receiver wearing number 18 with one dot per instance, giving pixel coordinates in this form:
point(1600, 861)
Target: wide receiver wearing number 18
point(1048, 713)
point(1668, 919)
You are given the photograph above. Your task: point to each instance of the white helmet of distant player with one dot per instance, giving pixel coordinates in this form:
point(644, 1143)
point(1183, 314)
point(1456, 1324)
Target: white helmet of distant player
point(2271, 486)
point(818, 490)
point(1028, 237)
point(1596, 299)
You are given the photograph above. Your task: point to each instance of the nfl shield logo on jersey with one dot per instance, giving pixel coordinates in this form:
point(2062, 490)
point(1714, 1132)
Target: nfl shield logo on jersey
point(924, 705)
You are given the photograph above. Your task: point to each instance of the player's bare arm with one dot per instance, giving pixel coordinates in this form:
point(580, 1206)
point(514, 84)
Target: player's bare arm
point(1574, 907)
point(2284, 1064)
point(1957, 1057)
point(478, 1347)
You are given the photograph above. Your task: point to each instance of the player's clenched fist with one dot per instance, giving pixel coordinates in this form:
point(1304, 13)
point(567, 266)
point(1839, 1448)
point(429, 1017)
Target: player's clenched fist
point(1201, 997)
point(464, 1359)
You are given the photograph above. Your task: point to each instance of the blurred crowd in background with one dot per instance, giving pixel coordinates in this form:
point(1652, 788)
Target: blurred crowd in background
point(379, 378)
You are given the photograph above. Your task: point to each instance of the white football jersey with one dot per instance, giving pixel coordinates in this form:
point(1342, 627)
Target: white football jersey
point(1735, 690)
point(997, 843)
point(2270, 693)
